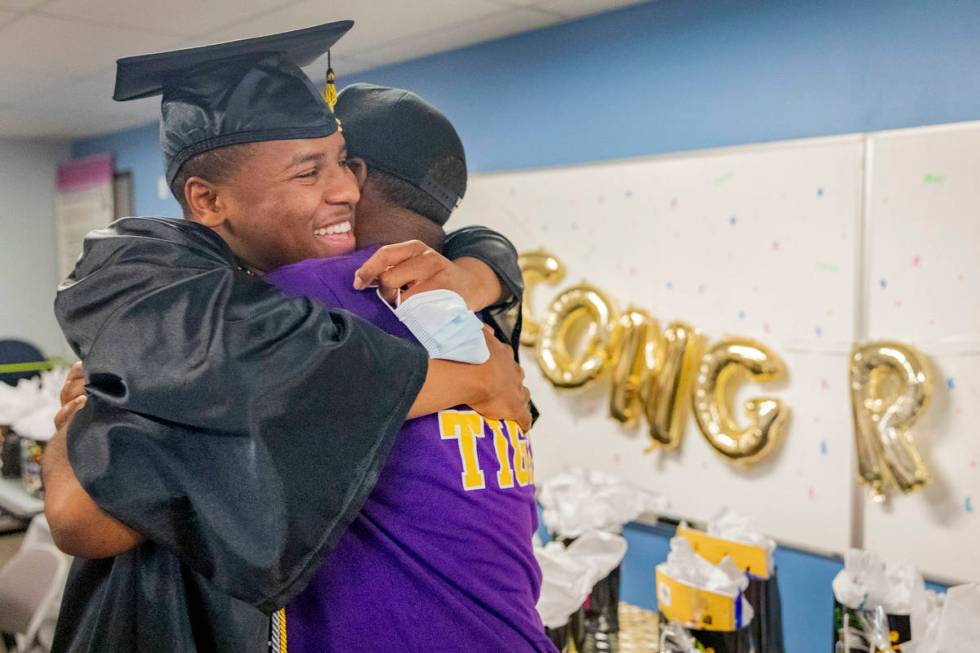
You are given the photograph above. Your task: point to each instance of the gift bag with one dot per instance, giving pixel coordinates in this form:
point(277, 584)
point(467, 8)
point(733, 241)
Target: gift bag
point(597, 624)
point(570, 574)
point(10, 455)
point(705, 600)
point(869, 631)
point(883, 607)
point(731, 536)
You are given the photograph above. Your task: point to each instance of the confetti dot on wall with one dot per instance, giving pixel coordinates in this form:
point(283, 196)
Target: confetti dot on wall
point(602, 199)
point(812, 494)
point(883, 283)
point(950, 383)
point(670, 285)
point(818, 331)
point(616, 458)
point(973, 464)
point(961, 277)
point(632, 271)
point(733, 220)
point(898, 303)
point(741, 315)
point(628, 193)
point(701, 289)
point(823, 447)
point(574, 226)
point(934, 179)
point(824, 384)
point(766, 328)
point(968, 504)
point(673, 203)
point(917, 261)
point(775, 245)
point(820, 192)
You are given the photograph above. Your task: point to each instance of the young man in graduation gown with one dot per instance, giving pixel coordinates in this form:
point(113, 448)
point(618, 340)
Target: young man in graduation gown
point(440, 557)
point(236, 431)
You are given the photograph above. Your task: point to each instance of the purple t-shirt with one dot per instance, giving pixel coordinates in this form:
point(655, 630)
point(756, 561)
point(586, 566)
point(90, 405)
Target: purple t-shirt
point(440, 556)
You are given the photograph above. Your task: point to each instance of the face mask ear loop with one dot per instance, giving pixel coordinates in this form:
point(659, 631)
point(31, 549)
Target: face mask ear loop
point(398, 300)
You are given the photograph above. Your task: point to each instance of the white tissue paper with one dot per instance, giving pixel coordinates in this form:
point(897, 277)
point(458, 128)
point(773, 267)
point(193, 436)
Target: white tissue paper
point(578, 501)
point(684, 565)
point(729, 525)
point(569, 573)
point(30, 406)
point(868, 583)
point(958, 630)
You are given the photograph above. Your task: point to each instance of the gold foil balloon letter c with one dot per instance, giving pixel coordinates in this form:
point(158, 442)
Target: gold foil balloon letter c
point(890, 389)
point(637, 344)
point(581, 315)
point(725, 363)
point(536, 267)
point(668, 394)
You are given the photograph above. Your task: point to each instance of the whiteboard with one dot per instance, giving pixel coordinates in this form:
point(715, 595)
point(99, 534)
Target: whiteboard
point(759, 241)
point(923, 286)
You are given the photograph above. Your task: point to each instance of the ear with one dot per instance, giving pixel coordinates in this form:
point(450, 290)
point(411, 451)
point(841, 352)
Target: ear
point(359, 167)
point(206, 204)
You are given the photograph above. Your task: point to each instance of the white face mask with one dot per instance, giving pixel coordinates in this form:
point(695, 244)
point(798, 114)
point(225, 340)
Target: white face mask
point(443, 324)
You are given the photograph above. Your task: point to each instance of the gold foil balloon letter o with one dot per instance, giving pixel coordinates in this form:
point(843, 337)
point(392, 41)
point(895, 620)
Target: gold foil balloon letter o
point(725, 363)
point(637, 346)
point(574, 343)
point(668, 389)
point(536, 267)
point(890, 389)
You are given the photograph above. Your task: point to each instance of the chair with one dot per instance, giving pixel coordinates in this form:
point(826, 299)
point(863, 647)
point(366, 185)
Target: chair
point(30, 583)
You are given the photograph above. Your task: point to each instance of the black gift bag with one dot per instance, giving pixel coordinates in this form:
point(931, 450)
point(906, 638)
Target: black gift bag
point(597, 625)
point(739, 641)
point(767, 625)
point(10, 453)
point(562, 636)
point(853, 629)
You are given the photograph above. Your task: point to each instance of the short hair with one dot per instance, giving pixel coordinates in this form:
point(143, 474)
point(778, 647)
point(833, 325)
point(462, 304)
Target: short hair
point(216, 166)
point(449, 173)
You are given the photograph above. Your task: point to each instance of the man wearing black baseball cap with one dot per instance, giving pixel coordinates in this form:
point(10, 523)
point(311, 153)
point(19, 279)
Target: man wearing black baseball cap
point(457, 495)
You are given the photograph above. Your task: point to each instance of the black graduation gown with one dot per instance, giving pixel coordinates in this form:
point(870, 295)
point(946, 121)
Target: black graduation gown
point(237, 429)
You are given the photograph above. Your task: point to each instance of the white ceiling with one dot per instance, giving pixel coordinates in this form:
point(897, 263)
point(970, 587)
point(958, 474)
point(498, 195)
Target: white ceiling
point(57, 57)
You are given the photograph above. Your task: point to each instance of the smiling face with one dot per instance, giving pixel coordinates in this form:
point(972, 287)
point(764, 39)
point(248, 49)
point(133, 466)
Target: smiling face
point(288, 201)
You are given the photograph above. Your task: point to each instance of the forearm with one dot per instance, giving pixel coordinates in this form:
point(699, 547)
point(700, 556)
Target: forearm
point(447, 384)
point(496, 252)
point(78, 526)
point(486, 289)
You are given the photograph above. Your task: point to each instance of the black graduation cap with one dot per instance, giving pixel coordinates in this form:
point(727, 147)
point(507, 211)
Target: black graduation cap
point(232, 93)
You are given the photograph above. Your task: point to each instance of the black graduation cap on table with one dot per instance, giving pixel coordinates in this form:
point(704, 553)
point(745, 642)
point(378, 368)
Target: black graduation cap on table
point(231, 93)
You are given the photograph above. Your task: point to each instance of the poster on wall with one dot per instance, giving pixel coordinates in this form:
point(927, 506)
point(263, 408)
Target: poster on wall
point(84, 202)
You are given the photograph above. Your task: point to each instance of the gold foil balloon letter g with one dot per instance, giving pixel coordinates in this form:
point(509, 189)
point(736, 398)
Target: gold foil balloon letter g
point(725, 363)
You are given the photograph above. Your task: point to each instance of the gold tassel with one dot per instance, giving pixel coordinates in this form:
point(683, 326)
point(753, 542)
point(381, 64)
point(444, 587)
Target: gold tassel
point(330, 90)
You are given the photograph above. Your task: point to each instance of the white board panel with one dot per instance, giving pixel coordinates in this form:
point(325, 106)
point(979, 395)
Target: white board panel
point(924, 248)
point(758, 241)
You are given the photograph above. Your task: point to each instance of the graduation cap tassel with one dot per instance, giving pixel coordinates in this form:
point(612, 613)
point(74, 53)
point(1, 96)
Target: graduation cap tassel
point(330, 90)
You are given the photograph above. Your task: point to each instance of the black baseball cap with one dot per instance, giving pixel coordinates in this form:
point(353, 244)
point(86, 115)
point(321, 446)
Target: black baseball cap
point(399, 133)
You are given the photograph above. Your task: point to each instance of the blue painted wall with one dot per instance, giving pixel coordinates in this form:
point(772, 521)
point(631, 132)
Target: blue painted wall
point(680, 75)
